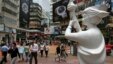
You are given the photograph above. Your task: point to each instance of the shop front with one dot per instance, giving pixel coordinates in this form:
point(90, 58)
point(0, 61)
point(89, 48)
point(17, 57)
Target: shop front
point(7, 35)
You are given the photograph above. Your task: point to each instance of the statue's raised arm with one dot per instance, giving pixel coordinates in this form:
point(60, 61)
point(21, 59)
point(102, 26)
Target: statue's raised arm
point(74, 21)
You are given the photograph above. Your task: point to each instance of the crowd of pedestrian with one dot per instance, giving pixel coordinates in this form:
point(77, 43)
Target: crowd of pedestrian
point(24, 51)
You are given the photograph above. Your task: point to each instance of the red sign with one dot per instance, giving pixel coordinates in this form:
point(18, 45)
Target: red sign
point(78, 1)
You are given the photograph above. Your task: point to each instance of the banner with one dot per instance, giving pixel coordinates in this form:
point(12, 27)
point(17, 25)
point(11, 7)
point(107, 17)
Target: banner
point(24, 13)
point(47, 30)
point(60, 12)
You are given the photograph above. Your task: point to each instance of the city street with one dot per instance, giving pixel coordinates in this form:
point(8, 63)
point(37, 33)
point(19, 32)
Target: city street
point(56, 28)
point(51, 59)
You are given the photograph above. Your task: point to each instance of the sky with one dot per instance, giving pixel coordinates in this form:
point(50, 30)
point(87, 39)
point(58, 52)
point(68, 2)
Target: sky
point(44, 3)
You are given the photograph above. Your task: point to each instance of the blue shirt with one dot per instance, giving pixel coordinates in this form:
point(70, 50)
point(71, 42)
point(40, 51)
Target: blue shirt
point(4, 48)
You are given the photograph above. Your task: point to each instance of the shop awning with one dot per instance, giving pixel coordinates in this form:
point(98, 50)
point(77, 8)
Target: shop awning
point(33, 31)
point(29, 30)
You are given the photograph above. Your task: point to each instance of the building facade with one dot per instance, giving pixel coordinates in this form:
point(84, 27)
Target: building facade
point(9, 19)
point(35, 16)
point(34, 21)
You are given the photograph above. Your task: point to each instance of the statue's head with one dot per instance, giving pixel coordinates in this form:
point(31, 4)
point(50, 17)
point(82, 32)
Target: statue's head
point(92, 15)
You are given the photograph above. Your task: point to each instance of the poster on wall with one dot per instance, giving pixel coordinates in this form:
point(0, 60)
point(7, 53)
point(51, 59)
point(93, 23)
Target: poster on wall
point(60, 12)
point(24, 13)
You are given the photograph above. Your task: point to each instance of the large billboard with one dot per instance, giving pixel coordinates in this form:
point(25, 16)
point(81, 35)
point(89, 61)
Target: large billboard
point(24, 13)
point(60, 12)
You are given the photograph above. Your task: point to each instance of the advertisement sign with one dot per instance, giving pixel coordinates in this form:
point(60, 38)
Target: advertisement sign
point(24, 13)
point(60, 12)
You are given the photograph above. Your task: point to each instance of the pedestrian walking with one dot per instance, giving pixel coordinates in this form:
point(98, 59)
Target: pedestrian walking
point(58, 50)
point(14, 53)
point(46, 49)
point(41, 49)
point(63, 52)
point(4, 50)
point(21, 52)
point(26, 49)
point(33, 50)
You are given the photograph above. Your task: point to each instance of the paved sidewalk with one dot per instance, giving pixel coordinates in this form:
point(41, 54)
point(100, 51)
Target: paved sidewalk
point(51, 60)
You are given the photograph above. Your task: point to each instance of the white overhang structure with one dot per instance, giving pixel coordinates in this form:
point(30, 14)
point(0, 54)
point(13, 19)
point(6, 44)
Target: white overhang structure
point(28, 30)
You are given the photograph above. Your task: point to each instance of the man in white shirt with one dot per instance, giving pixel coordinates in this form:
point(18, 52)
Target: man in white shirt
point(33, 49)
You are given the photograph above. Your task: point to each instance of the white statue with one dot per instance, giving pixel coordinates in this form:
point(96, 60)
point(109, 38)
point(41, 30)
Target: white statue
point(91, 44)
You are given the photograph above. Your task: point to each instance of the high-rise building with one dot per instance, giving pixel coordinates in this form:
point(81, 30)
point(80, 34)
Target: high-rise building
point(46, 13)
point(35, 16)
point(9, 19)
point(35, 19)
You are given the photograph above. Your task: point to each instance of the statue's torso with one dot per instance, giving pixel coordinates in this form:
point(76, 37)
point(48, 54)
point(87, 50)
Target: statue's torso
point(91, 48)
